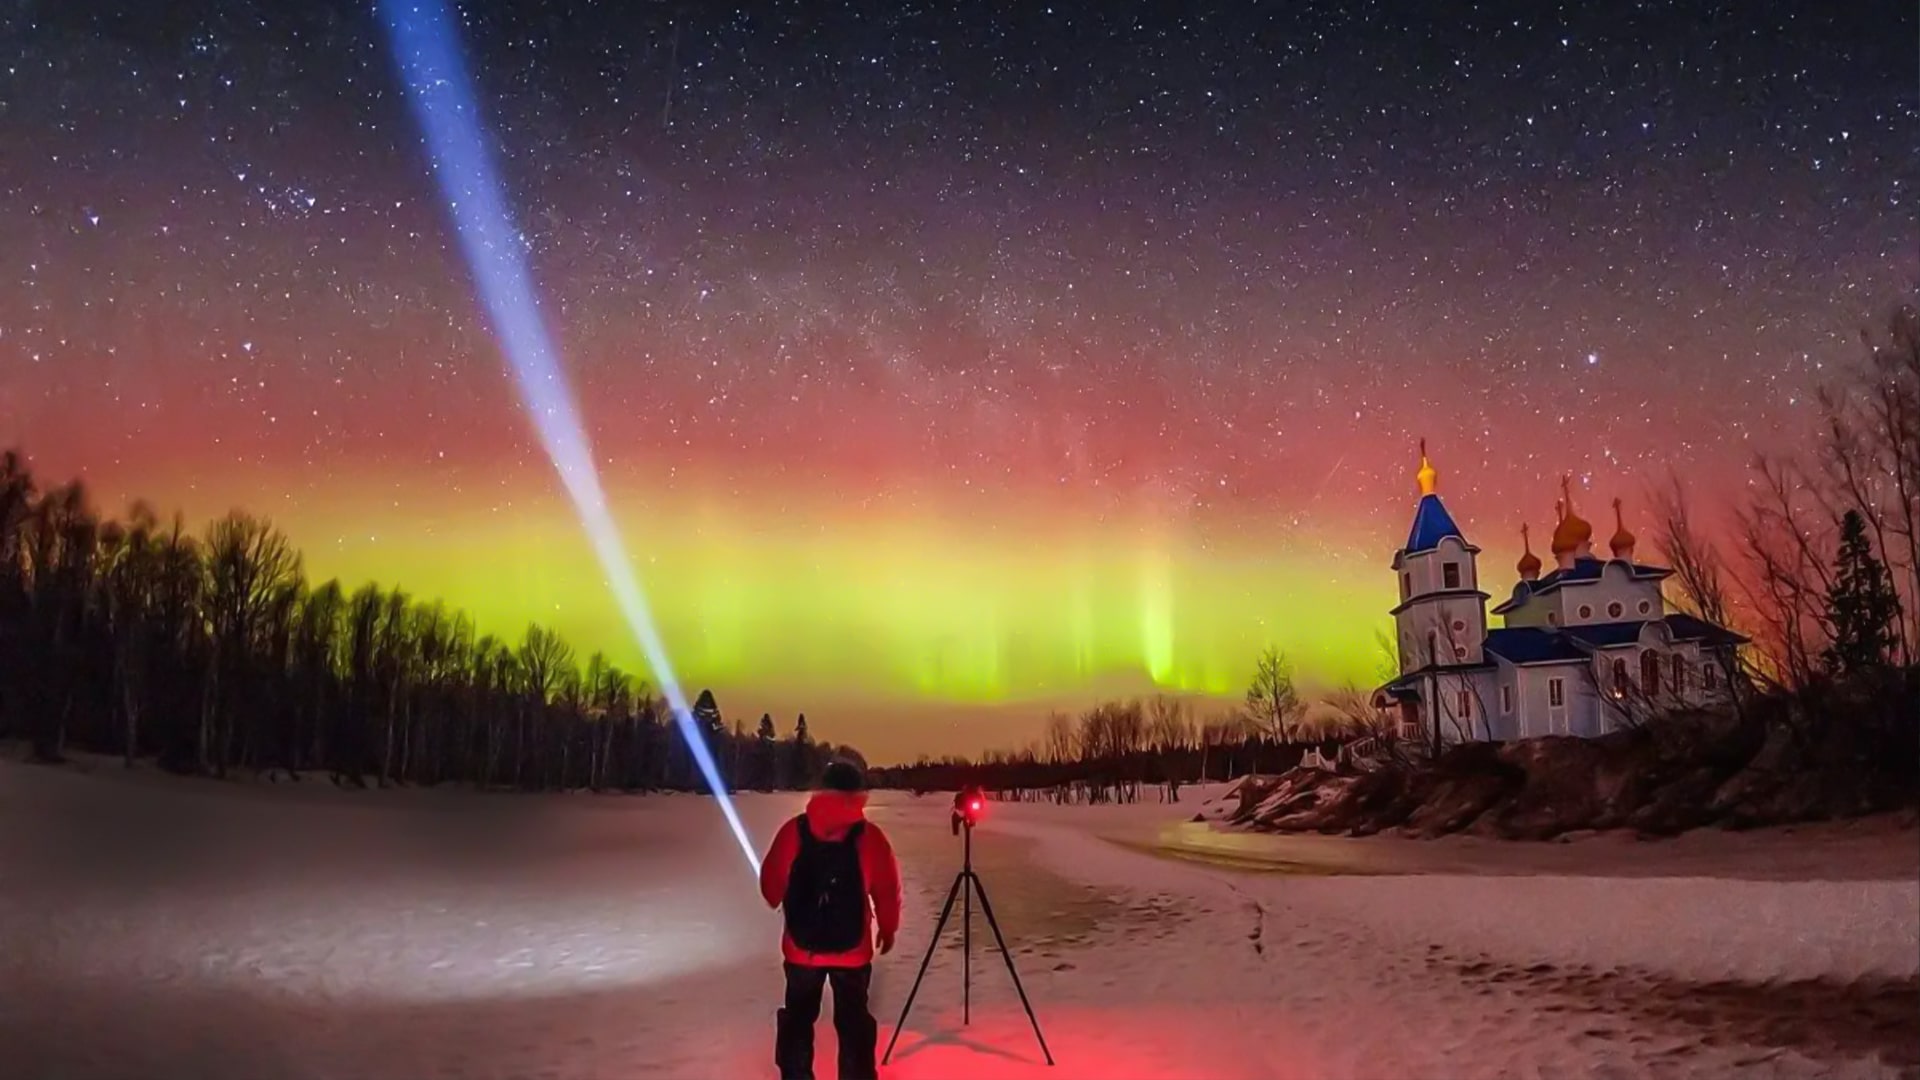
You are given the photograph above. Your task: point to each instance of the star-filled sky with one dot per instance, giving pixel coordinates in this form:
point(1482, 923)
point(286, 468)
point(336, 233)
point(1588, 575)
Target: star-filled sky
point(948, 362)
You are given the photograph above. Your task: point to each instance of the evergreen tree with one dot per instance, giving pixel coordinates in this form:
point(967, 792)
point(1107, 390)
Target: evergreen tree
point(766, 755)
point(1861, 604)
point(736, 747)
point(713, 731)
point(800, 760)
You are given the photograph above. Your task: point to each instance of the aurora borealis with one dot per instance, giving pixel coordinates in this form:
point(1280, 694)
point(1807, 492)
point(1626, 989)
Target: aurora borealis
point(947, 365)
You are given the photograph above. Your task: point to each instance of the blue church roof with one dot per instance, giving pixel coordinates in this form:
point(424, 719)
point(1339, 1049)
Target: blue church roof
point(1687, 628)
point(1608, 635)
point(1531, 645)
point(1431, 524)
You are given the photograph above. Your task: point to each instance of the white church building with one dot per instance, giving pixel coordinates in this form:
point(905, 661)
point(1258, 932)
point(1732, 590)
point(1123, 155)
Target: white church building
point(1584, 649)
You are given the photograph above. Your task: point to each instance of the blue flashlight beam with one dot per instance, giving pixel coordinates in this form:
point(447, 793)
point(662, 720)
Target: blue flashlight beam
point(426, 48)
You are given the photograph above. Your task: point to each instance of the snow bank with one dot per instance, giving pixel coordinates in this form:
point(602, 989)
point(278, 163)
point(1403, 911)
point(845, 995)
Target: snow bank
point(1690, 926)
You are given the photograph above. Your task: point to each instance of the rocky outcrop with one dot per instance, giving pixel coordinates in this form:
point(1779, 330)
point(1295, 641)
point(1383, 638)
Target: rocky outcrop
point(1657, 783)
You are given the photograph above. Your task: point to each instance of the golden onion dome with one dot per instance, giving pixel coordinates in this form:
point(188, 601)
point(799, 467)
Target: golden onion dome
point(1623, 541)
point(1573, 532)
point(1529, 563)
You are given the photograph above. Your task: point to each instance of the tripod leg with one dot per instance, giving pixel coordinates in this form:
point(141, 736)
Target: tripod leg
point(945, 910)
point(986, 908)
point(966, 954)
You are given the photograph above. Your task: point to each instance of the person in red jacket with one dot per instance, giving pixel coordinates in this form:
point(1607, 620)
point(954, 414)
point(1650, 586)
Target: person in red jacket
point(834, 875)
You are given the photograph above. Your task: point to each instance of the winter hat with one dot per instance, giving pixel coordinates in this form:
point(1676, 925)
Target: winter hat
point(841, 775)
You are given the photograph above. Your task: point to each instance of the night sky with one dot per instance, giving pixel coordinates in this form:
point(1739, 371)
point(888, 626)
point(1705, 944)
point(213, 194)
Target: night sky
point(947, 362)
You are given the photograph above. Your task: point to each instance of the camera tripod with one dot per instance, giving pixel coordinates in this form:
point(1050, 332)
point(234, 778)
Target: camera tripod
point(966, 884)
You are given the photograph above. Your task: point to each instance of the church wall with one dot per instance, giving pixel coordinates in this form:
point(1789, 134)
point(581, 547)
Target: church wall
point(1427, 569)
point(1504, 724)
point(1616, 585)
point(1692, 655)
point(1533, 612)
point(1533, 698)
point(1439, 615)
point(1472, 724)
point(1587, 716)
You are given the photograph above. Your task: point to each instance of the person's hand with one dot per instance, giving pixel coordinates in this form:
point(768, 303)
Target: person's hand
point(886, 944)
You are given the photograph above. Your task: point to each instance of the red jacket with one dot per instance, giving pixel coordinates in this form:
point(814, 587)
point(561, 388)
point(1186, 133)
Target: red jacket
point(829, 815)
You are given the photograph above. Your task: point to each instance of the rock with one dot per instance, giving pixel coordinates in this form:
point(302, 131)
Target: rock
point(1572, 784)
point(1254, 790)
point(1458, 800)
point(1325, 806)
point(1679, 805)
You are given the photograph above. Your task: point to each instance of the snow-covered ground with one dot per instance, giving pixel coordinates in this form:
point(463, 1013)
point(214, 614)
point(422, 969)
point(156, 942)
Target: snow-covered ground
point(153, 928)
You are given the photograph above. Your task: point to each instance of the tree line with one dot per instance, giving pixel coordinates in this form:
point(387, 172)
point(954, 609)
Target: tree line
point(212, 653)
point(1117, 750)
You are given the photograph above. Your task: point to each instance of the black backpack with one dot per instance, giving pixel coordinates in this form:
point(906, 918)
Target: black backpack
point(826, 901)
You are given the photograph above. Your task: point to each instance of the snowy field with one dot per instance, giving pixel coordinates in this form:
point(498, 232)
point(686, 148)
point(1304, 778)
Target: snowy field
point(153, 928)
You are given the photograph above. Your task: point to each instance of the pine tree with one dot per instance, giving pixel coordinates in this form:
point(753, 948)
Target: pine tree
point(800, 765)
point(713, 730)
point(736, 746)
point(1861, 605)
point(766, 765)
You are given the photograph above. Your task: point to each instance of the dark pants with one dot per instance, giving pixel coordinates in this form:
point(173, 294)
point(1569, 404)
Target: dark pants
point(859, 1035)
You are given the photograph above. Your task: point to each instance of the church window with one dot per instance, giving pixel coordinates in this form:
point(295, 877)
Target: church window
point(1586, 611)
point(1679, 674)
point(1406, 585)
point(1450, 575)
point(1433, 647)
point(1614, 610)
point(1620, 681)
point(1459, 626)
point(1646, 607)
point(1459, 652)
point(1557, 693)
point(1506, 698)
point(1553, 618)
point(1709, 677)
point(1466, 704)
point(1650, 672)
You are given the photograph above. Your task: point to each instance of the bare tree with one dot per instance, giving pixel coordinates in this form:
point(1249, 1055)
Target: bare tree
point(1785, 529)
point(1218, 736)
point(249, 565)
point(1701, 574)
point(1062, 743)
point(1386, 656)
point(1357, 714)
point(1273, 703)
point(1458, 710)
point(1168, 724)
point(1699, 569)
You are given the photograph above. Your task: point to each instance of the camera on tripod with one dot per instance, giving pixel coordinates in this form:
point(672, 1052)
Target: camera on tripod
point(969, 804)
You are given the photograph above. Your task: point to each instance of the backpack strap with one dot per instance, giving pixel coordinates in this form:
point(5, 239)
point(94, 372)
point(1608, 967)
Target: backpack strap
point(853, 832)
point(807, 839)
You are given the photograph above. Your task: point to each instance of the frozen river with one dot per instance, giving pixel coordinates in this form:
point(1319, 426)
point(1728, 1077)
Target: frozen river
point(154, 928)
